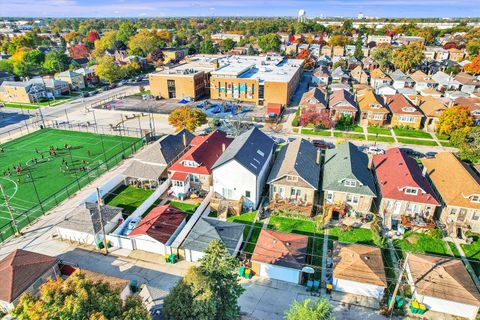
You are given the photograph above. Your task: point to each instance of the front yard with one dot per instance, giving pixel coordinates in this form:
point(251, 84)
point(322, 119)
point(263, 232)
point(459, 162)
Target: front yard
point(317, 132)
point(411, 133)
point(417, 142)
point(472, 252)
point(355, 136)
point(372, 137)
point(379, 130)
point(128, 198)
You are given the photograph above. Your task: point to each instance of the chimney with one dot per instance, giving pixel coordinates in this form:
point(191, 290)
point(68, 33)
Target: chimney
point(317, 160)
point(216, 64)
point(424, 171)
point(184, 139)
point(223, 147)
point(370, 162)
point(417, 100)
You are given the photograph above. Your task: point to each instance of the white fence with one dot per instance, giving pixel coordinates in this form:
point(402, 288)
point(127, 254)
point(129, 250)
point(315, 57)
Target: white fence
point(105, 189)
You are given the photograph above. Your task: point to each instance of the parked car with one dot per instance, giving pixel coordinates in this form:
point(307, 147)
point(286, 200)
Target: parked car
point(132, 224)
point(412, 153)
point(94, 92)
point(112, 86)
point(85, 94)
point(322, 144)
point(430, 155)
point(375, 150)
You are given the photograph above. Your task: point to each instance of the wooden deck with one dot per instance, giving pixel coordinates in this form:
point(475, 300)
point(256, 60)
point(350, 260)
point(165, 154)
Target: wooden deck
point(417, 224)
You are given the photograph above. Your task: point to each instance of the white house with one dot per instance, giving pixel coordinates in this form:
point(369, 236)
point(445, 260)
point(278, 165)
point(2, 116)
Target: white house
point(443, 285)
point(401, 80)
point(209, 229)
point(242, 170)
point(445, 81)
point(385, 90)
point(158, 229)
point(280, 255)
point(359, 269)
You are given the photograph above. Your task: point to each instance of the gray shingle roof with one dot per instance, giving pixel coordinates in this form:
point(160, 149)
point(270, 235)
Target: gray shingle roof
point(398, 75)
point(251, 149)
point(167, 149)
point(297, 158)
point(347, 162)
point(209, 229)
point(86, 218)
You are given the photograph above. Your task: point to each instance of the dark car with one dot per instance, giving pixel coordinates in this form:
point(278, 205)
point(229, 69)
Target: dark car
point(322, 144)
point(112, 86)
point(430, 155)
point(85, 94)
point(412, 153)
point(94, 92)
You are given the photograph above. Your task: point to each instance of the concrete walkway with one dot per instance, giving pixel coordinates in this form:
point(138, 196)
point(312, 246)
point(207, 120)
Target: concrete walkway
point(324, 259)
point(467, 263)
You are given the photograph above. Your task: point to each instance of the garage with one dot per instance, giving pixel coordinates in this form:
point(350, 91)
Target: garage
point(148, 244)
point(450, 307)
point(358, 288)
point(280, 273)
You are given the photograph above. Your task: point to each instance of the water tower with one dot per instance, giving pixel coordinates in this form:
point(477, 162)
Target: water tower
point(302, 15)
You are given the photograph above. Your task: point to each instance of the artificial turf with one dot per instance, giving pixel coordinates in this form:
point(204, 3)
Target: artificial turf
point(47, 179)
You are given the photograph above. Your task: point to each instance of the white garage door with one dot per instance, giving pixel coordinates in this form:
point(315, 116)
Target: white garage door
point(450, 307)
point(150, 246)
point(279, 273)
point(354, 287)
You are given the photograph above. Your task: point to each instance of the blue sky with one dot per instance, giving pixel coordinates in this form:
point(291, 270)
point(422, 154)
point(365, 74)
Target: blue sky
point(163, 8)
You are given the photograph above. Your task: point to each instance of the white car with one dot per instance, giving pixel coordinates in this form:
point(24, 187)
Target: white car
point(375, 150)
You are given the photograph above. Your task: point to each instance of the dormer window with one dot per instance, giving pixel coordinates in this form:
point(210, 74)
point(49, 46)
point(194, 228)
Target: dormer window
point(350, 183)
point(292, 178)
point(408, 109)
point(412, 191)
point(188, 163)
point(475, 198)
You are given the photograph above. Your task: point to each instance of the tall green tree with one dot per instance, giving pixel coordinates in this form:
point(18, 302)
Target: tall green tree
point(144, 42)
point(408, 57)
point(227, 44)
point(358, 48)
point(467, 140)
point(56, 61)
point(108, 70)
point(23, 69)
point(269, 42)
point(6, 65)
point(207, 47)
point(383, 55)
point(310, 310)
point(126, 30)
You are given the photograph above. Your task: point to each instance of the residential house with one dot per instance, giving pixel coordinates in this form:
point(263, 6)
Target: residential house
point(404, 113)
point(89, 76)
point(456, 54)
point(473, 103)
point(422, 81)
point(193, 170)
point(210, 229)
point(458, 189)
point(406, 40)
point(443, 285)
point(314, 98)
point(446, 82)
point(348, 183)
point(338, 51)
point(174, 54)
point(83, 224)
point(55, 88)
point(241, 172)
point(385, 90)
point(405, 197)
point(431, 108)
point(149, 166)
point(342, 102)
point(468, 83)
point(158, 229)
point(379, 39)
point(295, 178)
point(321, 75)
point(372, 110)
point(74, 79)
point(359, 269)
point(340, 75)
point(21, 272)
point(359, 75)
point(280, 256)
point(401, 80)
point(6, 76)
point(327, 51)
point(379, 78)
point(369, 63)
point(352, 63)
point(152, 297)
point(22, 92)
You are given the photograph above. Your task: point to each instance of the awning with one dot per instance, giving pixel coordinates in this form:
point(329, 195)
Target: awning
point(275, 108)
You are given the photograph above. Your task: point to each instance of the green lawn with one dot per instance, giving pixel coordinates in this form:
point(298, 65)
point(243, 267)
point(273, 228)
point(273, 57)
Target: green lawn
point(421, 243)
point(128, 197)
point(46, 181)
point(252, 241)
point(354, 128)
point(411, 133)
point(185, 207)
point(446, 143)
point(349, 135)
point(379, 130)
point(291, 225)
point(372, 137)
point(246, 218)
point(355, 235)
point(139, 94)
point(442, 137)
point(317, 132)
point(472, 251)
point(417, 142)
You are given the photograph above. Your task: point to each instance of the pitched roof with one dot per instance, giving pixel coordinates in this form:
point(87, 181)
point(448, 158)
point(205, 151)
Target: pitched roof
point(167, 149)
point(369, 101)
point(314, 97)
point(252, 149)
point(444, 79)
point(399, 104)
point(379, 74)
point(160, 223)
point(68, 73)
point(443, 278)
point(19, 270)
point(281, 249)
point(418, 76)
point(347, 162)
point(453, 179)
point(360, 263)
point(342, 99)
point(338, 72)
point(86, 217)
point(396, 171)
point(467, 79)
point(205, 150)
point(398, 75)
point(209, 229)
point(297, 158)
point(430, 106)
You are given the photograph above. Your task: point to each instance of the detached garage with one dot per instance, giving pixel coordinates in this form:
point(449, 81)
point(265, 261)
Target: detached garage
point(158, 229)
point(443, 285)
point(359, 269)
point(280, 256)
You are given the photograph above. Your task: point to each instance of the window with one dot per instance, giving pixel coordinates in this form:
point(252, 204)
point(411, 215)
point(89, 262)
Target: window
point(261, 153)
point(406, 119)
point(476, 215)
point(378, 116)
point(188, 163)
point(194, 178)
point(227, 193)
point(177, 183)
point(292, 178)
point(413, 191)
point(475, 198)
point(329, 196)
point(350, 183)
point(352, 199)
point(411, 207)
point(453, 211)
point(295, 192)
point(247, 194)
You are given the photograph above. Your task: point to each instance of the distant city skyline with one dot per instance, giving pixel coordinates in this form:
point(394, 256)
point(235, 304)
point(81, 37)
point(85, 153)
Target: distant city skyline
point(204, 8)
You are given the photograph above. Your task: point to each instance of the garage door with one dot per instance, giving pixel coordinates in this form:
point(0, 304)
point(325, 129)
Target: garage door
point(450, 307)
point(279, 273)
point(358, 288)
point(150, 246)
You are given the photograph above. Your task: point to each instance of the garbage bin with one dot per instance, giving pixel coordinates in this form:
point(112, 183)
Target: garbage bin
point(241, 271)
point(248, 273)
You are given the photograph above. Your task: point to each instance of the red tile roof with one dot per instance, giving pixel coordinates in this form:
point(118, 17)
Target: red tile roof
point(19, 270)
point(179, 176)
point(398, 101)
point(279, 248)
point(395, 170)
point(205, 150)
point(161, 223)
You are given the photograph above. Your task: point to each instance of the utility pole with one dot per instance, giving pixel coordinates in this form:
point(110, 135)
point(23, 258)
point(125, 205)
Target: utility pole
point(10, 210)
point(99, 207)
point(399, 280)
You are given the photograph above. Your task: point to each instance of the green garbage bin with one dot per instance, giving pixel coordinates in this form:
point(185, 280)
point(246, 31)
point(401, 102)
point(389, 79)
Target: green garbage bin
point(248, 273)
point(172, 258)
point(241, 271)
point(133, 286)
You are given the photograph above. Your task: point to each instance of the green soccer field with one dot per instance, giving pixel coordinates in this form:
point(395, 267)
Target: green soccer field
point(45, 179)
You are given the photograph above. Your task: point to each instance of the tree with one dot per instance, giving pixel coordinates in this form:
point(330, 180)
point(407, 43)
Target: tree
point(157, 56)
point(207, 47)
point(23, 69)
point(105, 42)
point(474, 66)
point(467, 140)
point(34, 57)
point(358, 54)
point(473, 47)
point(338, 40)
point(208, 291)
point(309, 63)
point(319, 118)
point(383, 55)
point(187, 118)
point(309, 310)
point(269, 42)
point(125, 31)
point(56, 61)
point(130, 69)
point(456, 117)
point(6, 65)
point(108, 70)
point(347, 25)
point(93, 36)
point(408, 57)
point(144, 42)
point(227, 44)
point(78, 298)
